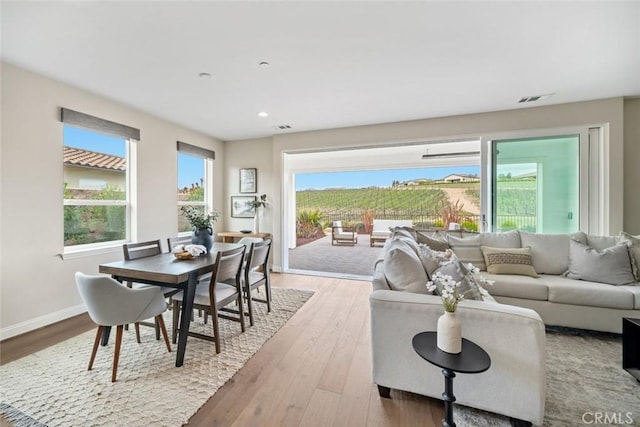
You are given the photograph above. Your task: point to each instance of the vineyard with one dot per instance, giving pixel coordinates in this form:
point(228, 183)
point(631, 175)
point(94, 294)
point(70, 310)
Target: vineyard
point(427, 206)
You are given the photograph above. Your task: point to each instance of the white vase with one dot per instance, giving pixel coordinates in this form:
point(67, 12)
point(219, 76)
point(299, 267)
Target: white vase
point(449, 333)
point(256, 220)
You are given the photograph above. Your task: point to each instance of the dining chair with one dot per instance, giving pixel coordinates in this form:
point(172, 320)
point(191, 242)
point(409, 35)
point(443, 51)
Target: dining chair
point(256, 274)
point(214, 296)
point(111, 304)
point(172, 242)
point(142, 250)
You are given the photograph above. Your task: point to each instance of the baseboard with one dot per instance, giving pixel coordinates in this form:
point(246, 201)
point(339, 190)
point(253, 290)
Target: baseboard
point(276, 269)
point(39, 322)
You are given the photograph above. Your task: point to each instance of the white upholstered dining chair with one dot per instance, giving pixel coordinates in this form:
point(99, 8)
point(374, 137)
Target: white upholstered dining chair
point(111, 304)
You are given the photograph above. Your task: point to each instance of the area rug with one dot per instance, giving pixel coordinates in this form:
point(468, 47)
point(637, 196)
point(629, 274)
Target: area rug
point(53, 387)
point(585, 380)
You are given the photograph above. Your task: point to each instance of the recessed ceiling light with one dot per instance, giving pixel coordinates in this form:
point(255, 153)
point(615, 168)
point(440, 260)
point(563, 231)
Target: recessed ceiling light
point(264, 64)
point(263, 114)
point(205, 75)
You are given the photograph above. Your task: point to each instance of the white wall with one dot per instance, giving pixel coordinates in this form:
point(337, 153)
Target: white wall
point(473, 125)
point(37, 286)
point(631, 165)
point(253, 153)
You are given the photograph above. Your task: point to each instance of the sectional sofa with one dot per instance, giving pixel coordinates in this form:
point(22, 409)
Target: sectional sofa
point(511, 327)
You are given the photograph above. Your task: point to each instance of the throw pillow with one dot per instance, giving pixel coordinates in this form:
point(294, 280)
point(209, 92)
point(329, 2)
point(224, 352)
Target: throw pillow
point(549, 252)
point(403, 269)
point(468, 248)
point(509, 261)
point(437, 242)
point(432, 260)
point(409, 232)
point(611, 266)
point(634, 249)
point(459, 272)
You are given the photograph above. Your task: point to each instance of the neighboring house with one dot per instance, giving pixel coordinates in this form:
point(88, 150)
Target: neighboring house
point(89, 170)
point(460, 178)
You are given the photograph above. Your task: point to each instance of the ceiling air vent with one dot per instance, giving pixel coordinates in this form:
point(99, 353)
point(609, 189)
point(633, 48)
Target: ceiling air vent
point(282, 127)
point(534, 98)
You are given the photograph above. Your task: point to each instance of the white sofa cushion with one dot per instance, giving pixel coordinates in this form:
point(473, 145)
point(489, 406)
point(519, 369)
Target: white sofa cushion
point(583, 292)
point(467, 249)
point(403, 269)
point(611, 265)
point(549, 252)
point(511, 285)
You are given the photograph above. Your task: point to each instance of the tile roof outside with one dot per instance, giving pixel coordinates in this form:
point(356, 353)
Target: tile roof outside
point(79, 157)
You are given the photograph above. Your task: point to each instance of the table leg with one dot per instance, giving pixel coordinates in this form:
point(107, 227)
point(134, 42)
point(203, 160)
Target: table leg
point(448, 397)
point(105, 335)
point(185, 316)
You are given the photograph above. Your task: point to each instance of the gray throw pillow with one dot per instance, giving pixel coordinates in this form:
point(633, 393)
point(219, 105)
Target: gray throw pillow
point(437, 242)
point(634, 249)
point(432, 260)
point(403, 269)
point(460, 273)
point(611, 266)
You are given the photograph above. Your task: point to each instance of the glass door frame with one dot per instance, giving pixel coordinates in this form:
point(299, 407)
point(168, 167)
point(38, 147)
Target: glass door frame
point(592, 172)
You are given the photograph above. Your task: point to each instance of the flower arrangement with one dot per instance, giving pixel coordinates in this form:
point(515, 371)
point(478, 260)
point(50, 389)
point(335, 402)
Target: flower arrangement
point(198, 219)
point(450, 289)
point(260, 203)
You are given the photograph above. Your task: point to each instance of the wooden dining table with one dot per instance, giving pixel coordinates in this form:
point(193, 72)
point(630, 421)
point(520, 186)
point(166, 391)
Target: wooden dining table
point(166, 270)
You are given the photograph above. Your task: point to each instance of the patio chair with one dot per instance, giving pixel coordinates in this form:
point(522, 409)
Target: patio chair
point(340, 234)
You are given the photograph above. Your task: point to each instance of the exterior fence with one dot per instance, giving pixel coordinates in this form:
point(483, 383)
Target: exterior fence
point(424, 221)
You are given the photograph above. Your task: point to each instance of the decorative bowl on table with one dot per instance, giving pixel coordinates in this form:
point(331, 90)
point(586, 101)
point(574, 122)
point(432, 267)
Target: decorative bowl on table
point(183, 255)
point(245, 231)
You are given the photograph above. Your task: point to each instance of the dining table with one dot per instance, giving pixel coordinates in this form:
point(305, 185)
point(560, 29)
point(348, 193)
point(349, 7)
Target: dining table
point(168, 271)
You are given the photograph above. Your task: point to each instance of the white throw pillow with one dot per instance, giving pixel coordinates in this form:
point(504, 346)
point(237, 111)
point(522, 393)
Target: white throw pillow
point(611, 266)
point(467, 249)
point(549, 252)
point(403, 269)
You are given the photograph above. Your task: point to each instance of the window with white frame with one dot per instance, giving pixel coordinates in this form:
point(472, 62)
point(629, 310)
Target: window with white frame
point(195, 167)
point(96, 180)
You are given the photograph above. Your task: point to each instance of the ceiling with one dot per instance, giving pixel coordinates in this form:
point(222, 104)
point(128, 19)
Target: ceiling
point(332, 64)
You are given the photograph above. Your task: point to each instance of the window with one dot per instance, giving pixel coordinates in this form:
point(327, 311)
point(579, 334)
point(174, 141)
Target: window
point(96, 180)
point(194, 181)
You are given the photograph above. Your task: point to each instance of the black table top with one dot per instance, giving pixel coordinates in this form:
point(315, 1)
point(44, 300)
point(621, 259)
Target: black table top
point(472, 360)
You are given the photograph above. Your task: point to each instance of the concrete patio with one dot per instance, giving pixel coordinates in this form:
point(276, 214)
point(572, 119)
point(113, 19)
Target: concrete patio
point(347, 261)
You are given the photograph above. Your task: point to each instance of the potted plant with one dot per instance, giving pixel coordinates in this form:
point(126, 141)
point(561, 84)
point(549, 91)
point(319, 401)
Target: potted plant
point(202, 225)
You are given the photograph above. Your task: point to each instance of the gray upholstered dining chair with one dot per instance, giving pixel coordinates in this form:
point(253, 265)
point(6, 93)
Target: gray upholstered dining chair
point(111, 304)
point(213, 296)
point(256, 274)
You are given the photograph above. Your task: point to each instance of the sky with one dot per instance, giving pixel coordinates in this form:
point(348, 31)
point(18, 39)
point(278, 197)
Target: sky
point(378, 178)
point(190, 168)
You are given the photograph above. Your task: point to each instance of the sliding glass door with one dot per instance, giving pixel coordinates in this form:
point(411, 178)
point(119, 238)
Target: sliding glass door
point(536, 184)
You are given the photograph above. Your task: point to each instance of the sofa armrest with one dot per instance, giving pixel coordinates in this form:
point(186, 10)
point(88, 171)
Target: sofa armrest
point(514, 337)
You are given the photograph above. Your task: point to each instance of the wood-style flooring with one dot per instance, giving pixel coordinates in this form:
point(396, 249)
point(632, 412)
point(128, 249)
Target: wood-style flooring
point(316, 371)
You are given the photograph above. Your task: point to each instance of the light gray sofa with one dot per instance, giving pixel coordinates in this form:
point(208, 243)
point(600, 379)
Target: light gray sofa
point(511, 330)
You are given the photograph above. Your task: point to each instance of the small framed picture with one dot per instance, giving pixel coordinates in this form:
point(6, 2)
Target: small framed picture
point(242, 206)
point(249, 180)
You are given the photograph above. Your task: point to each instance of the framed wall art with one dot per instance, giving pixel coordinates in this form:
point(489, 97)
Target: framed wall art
point(242, 206)
point(249, 180)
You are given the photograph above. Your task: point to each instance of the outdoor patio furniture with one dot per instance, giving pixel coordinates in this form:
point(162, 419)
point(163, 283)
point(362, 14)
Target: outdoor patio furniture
point(340, 234)
point(381, 229)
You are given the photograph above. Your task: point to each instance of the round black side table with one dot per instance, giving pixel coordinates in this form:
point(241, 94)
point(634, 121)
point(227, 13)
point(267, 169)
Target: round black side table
point(471, 360)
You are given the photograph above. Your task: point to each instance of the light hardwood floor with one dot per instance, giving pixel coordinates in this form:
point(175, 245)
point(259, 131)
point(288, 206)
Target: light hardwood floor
point(316, 371)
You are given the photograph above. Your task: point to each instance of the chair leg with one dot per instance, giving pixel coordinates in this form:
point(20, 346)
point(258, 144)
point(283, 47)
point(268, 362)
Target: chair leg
point(249, 304)
point(176, 319)
point(95, 346)
point(216, 327)
point(157, 328)
point(267, 287)
point(116, 354)
point(137, 326)
point(241, 312)
point(163, 328)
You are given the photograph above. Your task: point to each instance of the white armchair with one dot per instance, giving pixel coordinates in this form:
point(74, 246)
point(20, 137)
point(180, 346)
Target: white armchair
point(111, 304)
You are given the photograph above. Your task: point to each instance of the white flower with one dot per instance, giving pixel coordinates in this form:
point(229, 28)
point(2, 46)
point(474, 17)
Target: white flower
point(431, 287)
point(472, 268)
